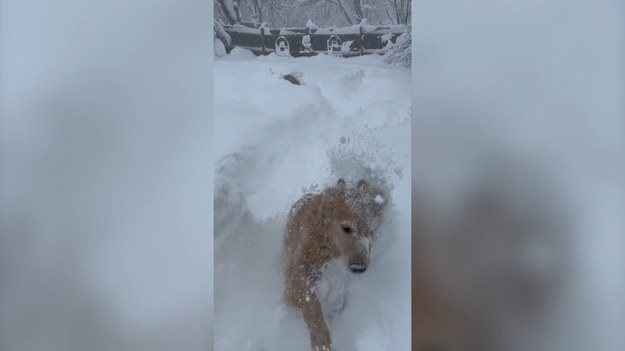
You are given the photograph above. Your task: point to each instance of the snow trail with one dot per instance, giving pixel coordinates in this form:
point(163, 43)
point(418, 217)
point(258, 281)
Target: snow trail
point(274, 142)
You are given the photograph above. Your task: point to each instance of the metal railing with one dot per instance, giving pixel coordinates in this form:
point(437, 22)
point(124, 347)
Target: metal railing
point(342, 42)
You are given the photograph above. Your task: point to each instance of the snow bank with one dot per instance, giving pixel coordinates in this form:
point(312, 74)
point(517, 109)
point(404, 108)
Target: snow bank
point(275, 141)
point(220, 48)
point(221, 33)
point(400, 52)
point(243, 29)
point(366, 28)
point(238, 53)
point(310, 25)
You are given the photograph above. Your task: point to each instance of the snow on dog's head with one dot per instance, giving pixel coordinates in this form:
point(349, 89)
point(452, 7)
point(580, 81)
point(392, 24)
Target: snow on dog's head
point(356, 216)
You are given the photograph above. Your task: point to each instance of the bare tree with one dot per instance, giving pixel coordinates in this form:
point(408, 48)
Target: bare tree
point(340, 6)
point(227, 9)
point(358, 10)
point(259, 10)
point(273, 12)
point(402, 10)
point(278, 12)
point(237, 10)
point(283, 13)
point(398, 11)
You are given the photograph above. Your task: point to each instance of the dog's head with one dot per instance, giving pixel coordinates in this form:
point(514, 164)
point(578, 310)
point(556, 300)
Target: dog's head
point(355, 217)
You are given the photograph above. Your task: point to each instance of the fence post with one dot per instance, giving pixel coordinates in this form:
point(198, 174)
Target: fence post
point(362, 39)
point(262, 40)
point(309, 54)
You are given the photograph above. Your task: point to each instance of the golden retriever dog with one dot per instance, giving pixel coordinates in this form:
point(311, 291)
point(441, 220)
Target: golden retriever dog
point(338, 222)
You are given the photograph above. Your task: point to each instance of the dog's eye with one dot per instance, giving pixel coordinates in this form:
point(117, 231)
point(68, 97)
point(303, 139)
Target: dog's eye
point(347, 229)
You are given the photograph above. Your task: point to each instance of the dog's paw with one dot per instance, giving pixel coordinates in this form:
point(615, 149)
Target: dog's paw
point(323, 348)
point(321, 342)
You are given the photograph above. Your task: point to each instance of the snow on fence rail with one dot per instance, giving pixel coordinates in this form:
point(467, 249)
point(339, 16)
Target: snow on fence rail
point(346, 41)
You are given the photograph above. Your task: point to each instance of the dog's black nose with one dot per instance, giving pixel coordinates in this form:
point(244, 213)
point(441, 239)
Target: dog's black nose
point(358, 268)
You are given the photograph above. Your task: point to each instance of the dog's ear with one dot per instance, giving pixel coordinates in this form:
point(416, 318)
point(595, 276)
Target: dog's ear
point(363, 185)
point(341, 183)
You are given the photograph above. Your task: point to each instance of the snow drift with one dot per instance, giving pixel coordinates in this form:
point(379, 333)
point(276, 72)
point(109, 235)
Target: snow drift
point(275, 141)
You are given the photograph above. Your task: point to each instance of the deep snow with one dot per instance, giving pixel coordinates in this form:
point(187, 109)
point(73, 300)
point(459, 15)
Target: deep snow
point(275, 141)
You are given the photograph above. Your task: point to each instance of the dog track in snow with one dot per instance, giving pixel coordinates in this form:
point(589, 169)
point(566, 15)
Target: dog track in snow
point(302, 144)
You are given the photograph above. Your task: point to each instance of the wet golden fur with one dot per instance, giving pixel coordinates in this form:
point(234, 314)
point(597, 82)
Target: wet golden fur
point(321, 227)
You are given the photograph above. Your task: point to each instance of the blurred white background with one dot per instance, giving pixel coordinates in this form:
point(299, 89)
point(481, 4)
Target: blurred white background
point(105, 175)
point(518, 151)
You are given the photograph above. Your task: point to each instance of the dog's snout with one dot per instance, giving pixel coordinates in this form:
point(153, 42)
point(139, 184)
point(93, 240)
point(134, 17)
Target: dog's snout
point(358, 267)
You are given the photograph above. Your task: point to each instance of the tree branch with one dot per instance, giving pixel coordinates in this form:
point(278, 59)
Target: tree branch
point(338, 3)
point(358, 10)
point(396, 11)
point(387, 12)
point(226, 12)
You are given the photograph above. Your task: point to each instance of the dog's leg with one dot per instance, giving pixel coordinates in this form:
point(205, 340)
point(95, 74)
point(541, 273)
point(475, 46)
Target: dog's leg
point(297, 294)
point(319, 333)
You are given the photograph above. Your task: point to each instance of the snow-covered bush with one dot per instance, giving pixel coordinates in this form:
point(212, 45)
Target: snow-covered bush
point(220, 48)
point(399, 53)
point(239, 53)
point(221, 33)
point(221, 38)
point(310, 25)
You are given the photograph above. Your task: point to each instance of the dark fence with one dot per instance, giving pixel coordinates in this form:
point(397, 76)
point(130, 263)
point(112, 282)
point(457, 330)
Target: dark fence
point(347, 41)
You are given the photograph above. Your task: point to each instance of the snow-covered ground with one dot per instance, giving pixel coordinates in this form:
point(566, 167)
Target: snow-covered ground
point(275, 141)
